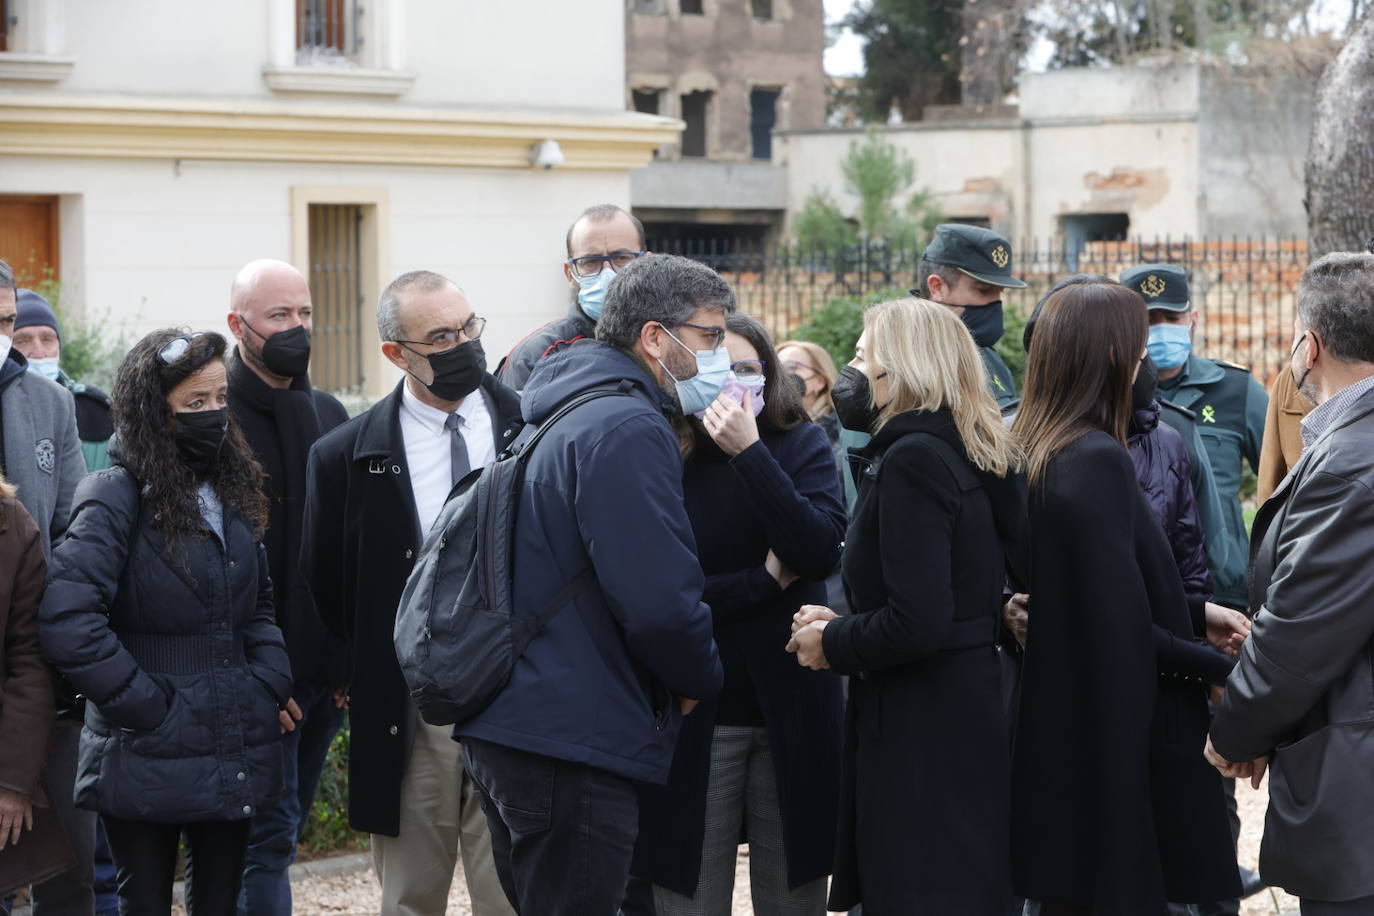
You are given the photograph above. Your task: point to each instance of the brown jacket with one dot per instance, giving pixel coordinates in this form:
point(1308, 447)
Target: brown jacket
point(1282, 445)
point(27, 706)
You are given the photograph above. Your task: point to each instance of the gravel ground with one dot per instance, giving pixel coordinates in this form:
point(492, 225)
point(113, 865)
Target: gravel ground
point(356, 894)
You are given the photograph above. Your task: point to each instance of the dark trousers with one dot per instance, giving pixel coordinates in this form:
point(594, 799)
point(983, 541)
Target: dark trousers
point(145, 854)
point(277, 826)
point(562, 834)
point(70, 893)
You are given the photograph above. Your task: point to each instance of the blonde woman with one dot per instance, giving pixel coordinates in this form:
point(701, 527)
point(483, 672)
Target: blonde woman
point(814, 368)
point(925, 805)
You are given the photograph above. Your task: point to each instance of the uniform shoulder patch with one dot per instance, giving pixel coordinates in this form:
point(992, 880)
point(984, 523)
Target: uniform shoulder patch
point(1229, 365)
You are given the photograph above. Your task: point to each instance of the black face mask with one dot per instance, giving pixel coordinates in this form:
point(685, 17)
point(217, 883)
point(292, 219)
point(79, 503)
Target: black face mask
point(458, 371)
point(853, 401)
point(285, 353)
point(200, 436)
point(1146, 381)
point(984, 322)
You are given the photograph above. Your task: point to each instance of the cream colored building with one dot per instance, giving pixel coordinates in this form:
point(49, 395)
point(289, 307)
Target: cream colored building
point(1177, 151)
point(148, 148)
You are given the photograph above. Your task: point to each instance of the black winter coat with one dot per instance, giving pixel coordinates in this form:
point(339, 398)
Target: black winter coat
point(359, 541)
point(183, 666)
point(1114, 807)
point(281, 424)
point(782, 493)
point(1163, 468)
point(925, 804)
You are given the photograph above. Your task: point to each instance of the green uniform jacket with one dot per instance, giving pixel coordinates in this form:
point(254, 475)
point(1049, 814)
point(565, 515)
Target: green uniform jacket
point(1230, 407)
point(92, 422)
point(1210, 513)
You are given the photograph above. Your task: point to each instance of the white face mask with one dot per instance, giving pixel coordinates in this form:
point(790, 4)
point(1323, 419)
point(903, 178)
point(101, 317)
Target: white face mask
point(5, 343)
point(46, 367)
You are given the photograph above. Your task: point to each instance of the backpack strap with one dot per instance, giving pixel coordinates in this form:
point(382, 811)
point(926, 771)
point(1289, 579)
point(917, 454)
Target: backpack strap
point(540, 620)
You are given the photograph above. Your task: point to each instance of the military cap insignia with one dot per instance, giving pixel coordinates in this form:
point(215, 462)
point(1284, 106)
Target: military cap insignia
point(1152, 287)
point(1000, 256)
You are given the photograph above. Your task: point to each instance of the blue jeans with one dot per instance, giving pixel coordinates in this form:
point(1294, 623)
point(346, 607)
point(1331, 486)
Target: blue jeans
point(562, 833)
point(277, 827)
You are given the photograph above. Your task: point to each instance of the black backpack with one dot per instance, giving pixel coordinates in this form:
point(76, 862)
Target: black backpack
point(456, 637)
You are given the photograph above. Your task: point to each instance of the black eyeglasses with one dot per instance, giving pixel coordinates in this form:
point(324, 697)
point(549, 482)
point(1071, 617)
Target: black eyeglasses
point(590, 265)
point(717, 334)
point(444, 340)
point(176, 348)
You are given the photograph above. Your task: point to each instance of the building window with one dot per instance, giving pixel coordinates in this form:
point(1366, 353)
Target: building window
point(650, 7)
point(4, 25)
point(1079, 229)
point(763, 117)
point(336, 290)
point(691, 8)
point(326, 28)
point(694, 108)
point(762, 9)
point(646, 101)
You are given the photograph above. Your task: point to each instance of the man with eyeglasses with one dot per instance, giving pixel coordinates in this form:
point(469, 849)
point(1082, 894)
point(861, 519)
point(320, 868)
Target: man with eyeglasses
point(602, 241)
point(595, 703)
point(282, 416)
point(374, 487)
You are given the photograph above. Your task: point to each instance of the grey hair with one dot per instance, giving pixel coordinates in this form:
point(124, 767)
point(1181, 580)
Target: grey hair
point(1336, 299)
point(661, 288)
point(389, 306)
point(948, 275)
point(6, 276)
point(600, 213)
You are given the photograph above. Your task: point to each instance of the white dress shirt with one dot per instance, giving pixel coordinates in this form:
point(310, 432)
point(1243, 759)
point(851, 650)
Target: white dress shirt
point(429, 455)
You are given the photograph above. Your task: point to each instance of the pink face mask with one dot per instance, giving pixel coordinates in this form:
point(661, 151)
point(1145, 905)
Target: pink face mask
point(735, 389)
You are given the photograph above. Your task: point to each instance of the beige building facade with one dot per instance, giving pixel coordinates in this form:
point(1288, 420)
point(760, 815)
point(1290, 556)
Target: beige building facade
point(143, 164)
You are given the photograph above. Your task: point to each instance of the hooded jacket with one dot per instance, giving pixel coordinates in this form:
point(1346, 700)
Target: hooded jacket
point(545, 341)
point(604, 488)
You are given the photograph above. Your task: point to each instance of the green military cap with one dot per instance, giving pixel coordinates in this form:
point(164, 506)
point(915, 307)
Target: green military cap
point(1164, 286)
point(981, 253)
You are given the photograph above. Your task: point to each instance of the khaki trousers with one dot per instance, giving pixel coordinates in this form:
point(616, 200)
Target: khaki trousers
point(441, 815)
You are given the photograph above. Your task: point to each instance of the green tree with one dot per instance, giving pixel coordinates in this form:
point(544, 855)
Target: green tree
point(879, 173)
point(911, 55)
point(92, 349)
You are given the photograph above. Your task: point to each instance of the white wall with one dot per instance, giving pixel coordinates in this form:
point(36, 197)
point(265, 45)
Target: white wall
point(162, 241)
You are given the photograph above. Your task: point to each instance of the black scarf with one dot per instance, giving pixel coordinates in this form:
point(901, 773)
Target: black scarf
point(281, 424)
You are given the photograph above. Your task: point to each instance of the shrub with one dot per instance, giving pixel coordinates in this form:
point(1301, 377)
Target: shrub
point(326, 830)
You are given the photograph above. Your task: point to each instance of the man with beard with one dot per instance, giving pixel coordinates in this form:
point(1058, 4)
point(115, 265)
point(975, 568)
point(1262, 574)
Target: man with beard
point(600, 243)
point(594, 704)
point(282, 416)
point(374, 488)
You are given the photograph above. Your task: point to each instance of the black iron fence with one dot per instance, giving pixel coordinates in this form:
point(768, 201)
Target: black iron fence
point(1243, 288)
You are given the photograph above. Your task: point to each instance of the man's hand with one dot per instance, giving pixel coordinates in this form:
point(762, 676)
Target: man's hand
point(289, 716)
point(1226, 629)
point(809, 613)
point(1016, 616)
point(732, 425)
point(1248, 769)
point(807, 644)
point(781, 574)
point(686, 705)
point(341, 698)
point(16, 816)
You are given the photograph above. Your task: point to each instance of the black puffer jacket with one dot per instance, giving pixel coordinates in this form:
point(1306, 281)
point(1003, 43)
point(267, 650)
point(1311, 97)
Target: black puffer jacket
point(183, 666)
point(1161, 464)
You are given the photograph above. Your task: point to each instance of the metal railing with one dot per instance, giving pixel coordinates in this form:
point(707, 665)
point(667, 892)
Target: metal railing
point(1242, 287)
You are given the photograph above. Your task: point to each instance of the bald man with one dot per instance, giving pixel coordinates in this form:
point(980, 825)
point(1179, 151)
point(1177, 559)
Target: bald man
point(282, 415)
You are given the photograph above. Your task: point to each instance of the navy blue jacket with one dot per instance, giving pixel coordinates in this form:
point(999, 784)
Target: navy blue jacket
point(183, 665)
point(1162, 466)
point(604, 488)
point(782, 493)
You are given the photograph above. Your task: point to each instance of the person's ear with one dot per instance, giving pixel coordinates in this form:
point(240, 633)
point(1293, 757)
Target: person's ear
point(568, 274)
point(1314, 344)
point(393, 352)
point(936, 287)
point(653, 340)
point(235, 322)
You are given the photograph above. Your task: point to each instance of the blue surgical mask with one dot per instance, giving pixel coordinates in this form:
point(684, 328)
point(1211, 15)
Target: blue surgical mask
point(591, 291)
point(713, 370)
point(1170, 345)
point(46, 367)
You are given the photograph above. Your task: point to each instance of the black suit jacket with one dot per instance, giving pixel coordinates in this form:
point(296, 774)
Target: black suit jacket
point(361, 535)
